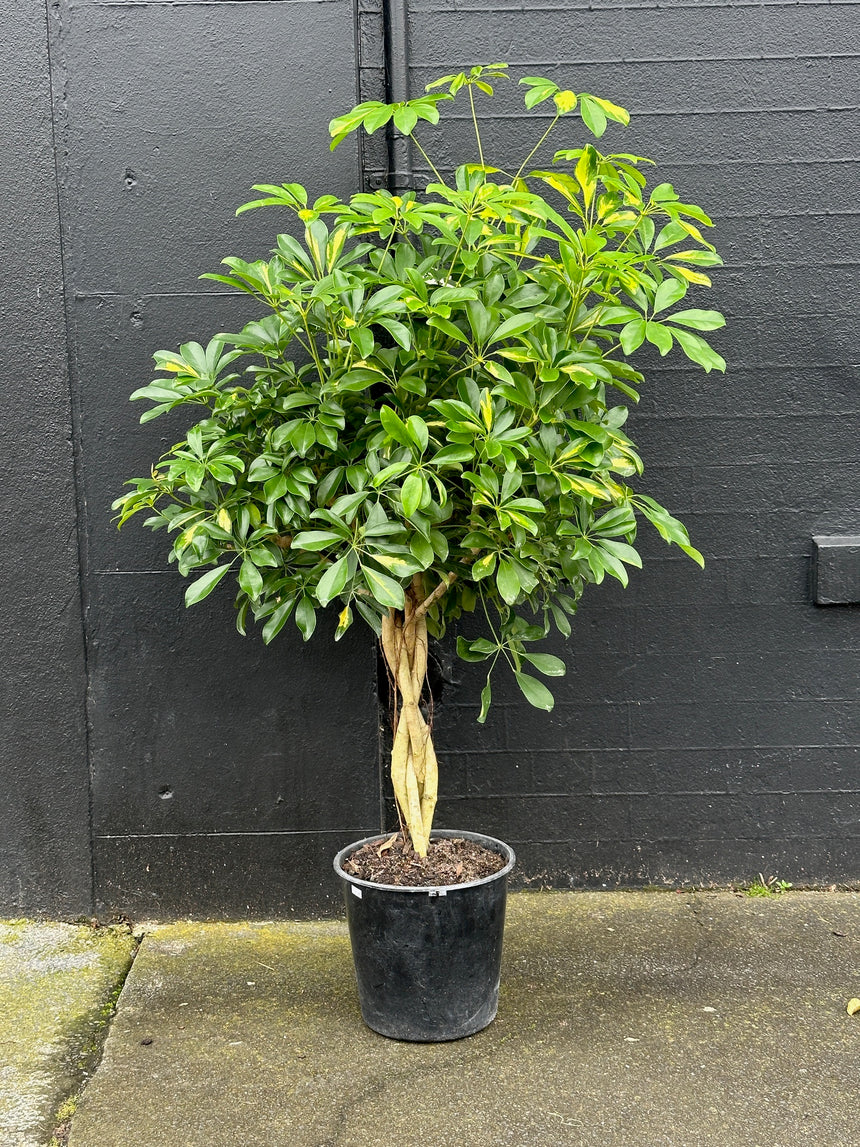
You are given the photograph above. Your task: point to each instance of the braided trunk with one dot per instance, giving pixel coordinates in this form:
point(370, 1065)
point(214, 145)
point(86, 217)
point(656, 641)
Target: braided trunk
point(414, 769)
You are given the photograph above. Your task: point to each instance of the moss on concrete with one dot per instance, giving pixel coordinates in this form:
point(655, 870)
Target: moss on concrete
point(58, 988)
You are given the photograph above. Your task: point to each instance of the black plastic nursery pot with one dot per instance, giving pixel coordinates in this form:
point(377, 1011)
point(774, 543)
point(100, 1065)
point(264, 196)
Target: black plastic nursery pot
point(427, 960)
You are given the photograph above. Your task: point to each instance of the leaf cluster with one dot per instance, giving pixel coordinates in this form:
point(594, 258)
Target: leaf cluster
point(437, 386)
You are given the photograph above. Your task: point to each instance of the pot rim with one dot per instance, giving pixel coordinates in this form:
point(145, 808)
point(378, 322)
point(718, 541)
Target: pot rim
point(429, 889)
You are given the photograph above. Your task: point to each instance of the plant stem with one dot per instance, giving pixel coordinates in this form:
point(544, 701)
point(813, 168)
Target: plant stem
point(430, 601)
point(477, 132)
point(430, 162)
point(536, 146)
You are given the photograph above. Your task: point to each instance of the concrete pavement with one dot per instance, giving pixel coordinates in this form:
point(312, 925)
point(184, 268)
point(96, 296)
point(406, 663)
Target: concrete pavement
point(625, 1020)
point(58, 985)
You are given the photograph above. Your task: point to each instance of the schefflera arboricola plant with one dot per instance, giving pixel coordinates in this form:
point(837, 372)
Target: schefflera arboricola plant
point(426, 420)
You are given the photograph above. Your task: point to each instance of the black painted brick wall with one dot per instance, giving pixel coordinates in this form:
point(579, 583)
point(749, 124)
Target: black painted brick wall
point(44, 803)
point(224, 774)
point(709, 727)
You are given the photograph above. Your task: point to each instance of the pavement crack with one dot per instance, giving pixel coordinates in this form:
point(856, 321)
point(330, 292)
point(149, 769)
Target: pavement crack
point(85, 1053)
point(696, 910)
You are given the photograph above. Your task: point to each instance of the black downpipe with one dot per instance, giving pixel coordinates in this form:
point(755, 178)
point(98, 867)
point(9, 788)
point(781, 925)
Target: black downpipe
point(395, 15)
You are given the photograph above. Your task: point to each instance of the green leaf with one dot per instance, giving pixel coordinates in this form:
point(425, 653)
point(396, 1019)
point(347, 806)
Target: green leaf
point(535, 692)
point(276, 620)
point(632, 335)
point(304, 438)
point(347, 504)
point(418, 432)
point(545, 663)
point(452, 295)
point(370, 616)
point(480, 320)
point(693, 553)
point(440, 544)
point(467, 652)
point(670, 291)
point(541, 89)
point(561, 622)
point(447, 328)
point(663, 193)
point(315, 540)
point(341, 126)
point(263, 556)
point(405, 119)
point(515, 325)
point(411, 494)
point(378, 118)
point(203, 586)
point(623, 551)
point(158, 392)
point(593, 115)
point(306, 617)
point(668, 527)
point(451, 454)
point(387, 473)
point(508, 581)
point(360, 378)
point(194, 475)
point(250, 579)
point(486, 698)
point(660, 336)
point(696, 349)
point(386, 590)
point(394, 426)
point(483, 567)
point(699, 320)
point(422, 551)
point(398, 331)
point(333, 581)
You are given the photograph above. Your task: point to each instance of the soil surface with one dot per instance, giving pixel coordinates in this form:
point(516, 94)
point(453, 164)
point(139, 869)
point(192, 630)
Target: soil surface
point(449, 861)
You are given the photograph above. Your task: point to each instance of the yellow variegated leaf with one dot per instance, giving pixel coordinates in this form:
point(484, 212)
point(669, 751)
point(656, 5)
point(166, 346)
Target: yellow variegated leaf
point(693, 276)
point(576, 484)
point(398, 566)
point(614, 111)
point(344, 621)
point(224, 519)
point(691, 229)
point(335, 245)
point(572, 451)
point(522, 520)
point(565, 101)
point(487, 409)
point(577, 368)
point(621, 217)
point(316, 249)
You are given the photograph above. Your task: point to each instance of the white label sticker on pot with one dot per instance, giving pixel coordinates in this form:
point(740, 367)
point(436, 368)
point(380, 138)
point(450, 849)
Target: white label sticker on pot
point(356, 891)
point(438, 891)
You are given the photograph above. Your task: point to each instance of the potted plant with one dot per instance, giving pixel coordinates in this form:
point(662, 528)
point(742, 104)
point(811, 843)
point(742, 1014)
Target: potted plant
point(426, 423)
